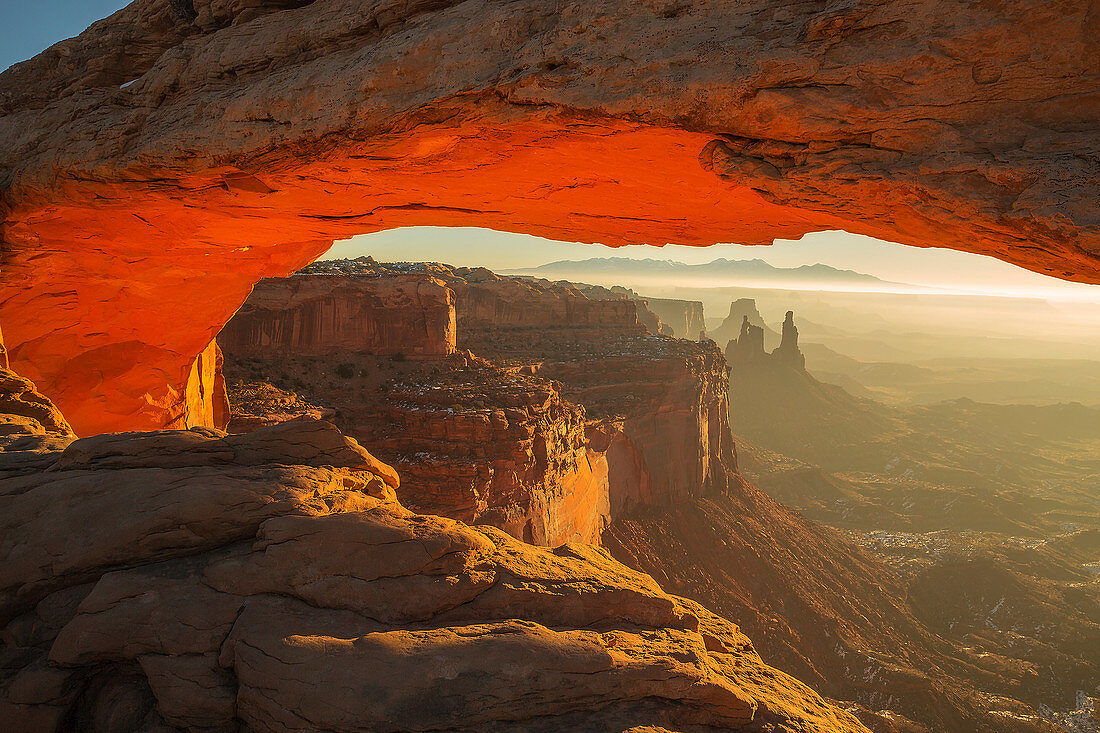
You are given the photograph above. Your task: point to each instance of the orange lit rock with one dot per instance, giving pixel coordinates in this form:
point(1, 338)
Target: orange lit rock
point(156, 166)
point(411, 315)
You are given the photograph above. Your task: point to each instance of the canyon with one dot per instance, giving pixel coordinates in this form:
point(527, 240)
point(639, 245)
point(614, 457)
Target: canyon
point(981, 517)
point(649, 458)
point(193, 580)
point(165, 173)
point(560, 411)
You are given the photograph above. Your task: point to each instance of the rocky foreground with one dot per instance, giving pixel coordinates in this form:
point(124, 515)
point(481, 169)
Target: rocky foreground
point(190, 580)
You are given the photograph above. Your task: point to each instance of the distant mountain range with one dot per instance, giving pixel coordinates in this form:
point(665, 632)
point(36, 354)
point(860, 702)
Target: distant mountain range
point(720, 271)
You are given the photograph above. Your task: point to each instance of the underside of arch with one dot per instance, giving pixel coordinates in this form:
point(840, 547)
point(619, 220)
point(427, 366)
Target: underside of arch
point(153, 168)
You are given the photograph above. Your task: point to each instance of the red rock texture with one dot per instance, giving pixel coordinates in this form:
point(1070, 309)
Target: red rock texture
point(661, 407)
point(472, 442)
point(475, 443)
point(249, 136)
point(657, 406)
point(410, 315)
point(487, 447)
point(192, 580)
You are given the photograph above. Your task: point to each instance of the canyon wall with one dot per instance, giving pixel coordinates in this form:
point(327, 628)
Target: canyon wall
point(660, 403)
point(577, 415)
point(411, 315)
point(661, 409)
point(474, 442)
point(683, 317)
point(487, 447)
point(250, 136)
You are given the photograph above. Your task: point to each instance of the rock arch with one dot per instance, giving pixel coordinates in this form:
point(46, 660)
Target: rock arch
point(154, 167)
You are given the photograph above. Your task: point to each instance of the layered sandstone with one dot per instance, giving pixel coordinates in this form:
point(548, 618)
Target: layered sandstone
point(411, 315)
point(589, 415)
point(252, 135)
point(192, 580)
point(683, 317)
point(475, 443)
point(472, 442)
point(660, 407)
point(646, 317)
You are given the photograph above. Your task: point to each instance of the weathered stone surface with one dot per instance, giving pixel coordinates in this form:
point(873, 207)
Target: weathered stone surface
point(251, 135)
point(473, 441)
point(660, 409)
point(411, 315)
point(30, 426)
point(730, 328)
point(105, 501)
point(497, 446)
point(293, 597)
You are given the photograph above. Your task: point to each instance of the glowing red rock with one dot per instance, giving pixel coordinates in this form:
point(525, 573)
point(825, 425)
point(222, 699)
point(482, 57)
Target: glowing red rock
point(156, 166)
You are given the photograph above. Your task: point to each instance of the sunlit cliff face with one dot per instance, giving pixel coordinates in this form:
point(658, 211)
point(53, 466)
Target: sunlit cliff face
point(156, 166)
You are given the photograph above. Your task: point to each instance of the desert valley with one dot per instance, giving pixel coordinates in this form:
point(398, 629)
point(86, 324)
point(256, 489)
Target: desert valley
point(269, 463)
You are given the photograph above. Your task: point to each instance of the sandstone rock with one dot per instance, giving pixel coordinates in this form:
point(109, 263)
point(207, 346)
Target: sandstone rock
point(535, 469)
point(747, 351)
point(228, 589)
point(472, 441)
point(400, 314)
point(730, 328)
point(787, 353)
point(663, 411)
point(683, 317)
point(259, 404)
point(26, 411)
point(106, 501)
point(646, 317)
point(30, 426)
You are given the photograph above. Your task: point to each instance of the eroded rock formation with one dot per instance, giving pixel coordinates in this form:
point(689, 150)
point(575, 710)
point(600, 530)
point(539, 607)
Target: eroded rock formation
point(660, 406)
point(788, 352)
point(587, 417)
point(191, 580)
point(730, 328)
point(747, 351)
point(646, 317)
point(249, 136)
point(683, 317)
point(410, 315)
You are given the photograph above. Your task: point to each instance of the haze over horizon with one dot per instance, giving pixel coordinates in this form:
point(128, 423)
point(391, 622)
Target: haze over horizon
point(935, 271)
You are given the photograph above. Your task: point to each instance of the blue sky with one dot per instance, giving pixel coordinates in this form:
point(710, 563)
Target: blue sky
point(30, 26)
